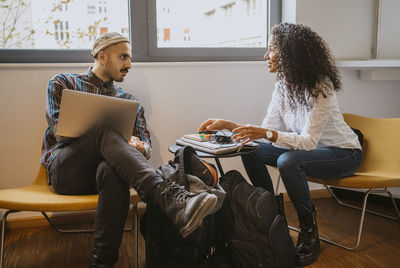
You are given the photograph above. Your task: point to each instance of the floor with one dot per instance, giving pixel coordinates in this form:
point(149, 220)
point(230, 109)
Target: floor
point(379, 247)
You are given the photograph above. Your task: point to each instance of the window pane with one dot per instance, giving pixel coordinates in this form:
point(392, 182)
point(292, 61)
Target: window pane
point(211, 23)
point(60, 24)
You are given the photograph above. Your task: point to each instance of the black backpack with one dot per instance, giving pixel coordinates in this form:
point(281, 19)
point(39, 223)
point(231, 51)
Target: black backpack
point(164, 246)
point(248, 231)
point(255, 229)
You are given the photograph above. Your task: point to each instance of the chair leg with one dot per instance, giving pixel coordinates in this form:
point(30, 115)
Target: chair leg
point(363, 210)
point(277, 184)
point(135, 216)
point(394, 204)
point(65, 231)
point(134, 226)
point(74, 231)
point(3, 234)
point(369, 211)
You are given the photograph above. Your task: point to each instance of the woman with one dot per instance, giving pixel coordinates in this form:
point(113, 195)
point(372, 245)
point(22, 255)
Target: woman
point(304, 132)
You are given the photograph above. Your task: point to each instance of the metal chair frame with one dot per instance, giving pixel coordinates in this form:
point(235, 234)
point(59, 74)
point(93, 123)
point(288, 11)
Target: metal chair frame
point(363, 210)
point(70, 231)
point(379, 169)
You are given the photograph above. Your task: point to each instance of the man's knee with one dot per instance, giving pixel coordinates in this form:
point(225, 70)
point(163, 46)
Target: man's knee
point(107, 178)
point(101, 132)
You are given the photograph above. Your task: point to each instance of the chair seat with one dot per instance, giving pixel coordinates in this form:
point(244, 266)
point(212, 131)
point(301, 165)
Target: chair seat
point(360, 181)
point(42, 198)
point(379, 169)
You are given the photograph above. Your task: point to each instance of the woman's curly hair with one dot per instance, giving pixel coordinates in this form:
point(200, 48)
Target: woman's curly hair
point(303, 62)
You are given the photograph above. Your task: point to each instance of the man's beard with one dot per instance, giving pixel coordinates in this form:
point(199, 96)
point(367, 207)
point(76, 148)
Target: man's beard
point(119, 79)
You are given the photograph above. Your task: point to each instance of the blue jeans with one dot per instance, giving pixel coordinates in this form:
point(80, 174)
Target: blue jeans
point(294, 167)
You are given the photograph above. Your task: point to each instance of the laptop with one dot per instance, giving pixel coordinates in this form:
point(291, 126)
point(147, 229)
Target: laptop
point(80, 111)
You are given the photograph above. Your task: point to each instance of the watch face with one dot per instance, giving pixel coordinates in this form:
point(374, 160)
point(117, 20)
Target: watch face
point(269, 134)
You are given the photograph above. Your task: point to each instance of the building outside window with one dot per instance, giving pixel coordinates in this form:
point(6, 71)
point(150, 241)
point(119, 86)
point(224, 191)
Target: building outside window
point(45, 29)
point(211, 23)
point(59, 24)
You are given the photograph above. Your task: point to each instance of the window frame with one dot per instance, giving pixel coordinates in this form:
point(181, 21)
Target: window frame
point(147, 40)
point(143, 35)
point(45, 56)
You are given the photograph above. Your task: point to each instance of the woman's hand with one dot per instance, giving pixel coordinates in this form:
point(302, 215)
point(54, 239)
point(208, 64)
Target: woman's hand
point(218, 124)
point(248, 133)
point(138, 144)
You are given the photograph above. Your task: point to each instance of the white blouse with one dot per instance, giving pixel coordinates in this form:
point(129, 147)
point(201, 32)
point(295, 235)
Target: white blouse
point(322, 126)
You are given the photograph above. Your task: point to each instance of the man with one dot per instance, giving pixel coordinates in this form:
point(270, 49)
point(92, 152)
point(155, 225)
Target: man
point(101, 161)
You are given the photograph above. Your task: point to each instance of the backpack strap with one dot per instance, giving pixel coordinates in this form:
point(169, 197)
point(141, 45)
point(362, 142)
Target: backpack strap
point(359, 134)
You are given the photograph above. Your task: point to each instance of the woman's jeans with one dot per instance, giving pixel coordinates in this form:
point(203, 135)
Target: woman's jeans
point(294, 167)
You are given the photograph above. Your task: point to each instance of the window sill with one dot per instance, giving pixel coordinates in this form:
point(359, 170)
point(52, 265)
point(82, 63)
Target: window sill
point(368, 64)
point(373, 70)
point(342, 64)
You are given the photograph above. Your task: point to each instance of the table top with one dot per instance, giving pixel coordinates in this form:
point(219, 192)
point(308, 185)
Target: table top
point(174, 147)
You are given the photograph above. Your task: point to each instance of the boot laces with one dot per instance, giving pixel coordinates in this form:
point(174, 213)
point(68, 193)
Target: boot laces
point(306, 234)
point(176, 192)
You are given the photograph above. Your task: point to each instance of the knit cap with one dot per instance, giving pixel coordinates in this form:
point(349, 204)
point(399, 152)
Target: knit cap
point(106, 40)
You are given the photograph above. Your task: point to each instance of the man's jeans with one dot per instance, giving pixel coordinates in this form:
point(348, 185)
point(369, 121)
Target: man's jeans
point(295, 166)
point(102, 162)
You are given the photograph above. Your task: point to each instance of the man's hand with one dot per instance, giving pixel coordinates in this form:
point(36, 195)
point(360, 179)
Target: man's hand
point(138, 144)
point(217, 124)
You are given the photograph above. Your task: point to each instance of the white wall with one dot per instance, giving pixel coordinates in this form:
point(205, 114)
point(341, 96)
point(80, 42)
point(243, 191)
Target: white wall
point(346, 25)
point(177, 97)
point(352, 28)
point(389, 33)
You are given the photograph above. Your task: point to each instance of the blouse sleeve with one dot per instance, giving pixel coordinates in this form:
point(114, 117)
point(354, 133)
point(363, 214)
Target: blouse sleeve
point(273, 118)
point(314, 126)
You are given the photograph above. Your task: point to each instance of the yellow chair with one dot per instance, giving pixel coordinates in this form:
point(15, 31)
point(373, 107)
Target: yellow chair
point(380, 168)
point(40, 197)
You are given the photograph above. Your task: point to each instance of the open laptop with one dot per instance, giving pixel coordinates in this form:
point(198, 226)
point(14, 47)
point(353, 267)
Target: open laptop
point(80, 111)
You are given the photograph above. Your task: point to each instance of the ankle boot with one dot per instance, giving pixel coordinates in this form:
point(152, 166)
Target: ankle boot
point(96, 264)
point(307, 249)
point(186, 210)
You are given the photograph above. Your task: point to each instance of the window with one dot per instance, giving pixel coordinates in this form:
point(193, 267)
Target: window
point(160, 30)
point(212, 23)
point(205, 30)
point(57, 30)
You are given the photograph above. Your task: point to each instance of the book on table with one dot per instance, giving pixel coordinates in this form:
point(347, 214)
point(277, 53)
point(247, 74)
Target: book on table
point(212, 147)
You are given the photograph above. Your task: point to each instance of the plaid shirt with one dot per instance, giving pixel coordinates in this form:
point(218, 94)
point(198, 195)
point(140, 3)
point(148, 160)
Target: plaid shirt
point(86, 82)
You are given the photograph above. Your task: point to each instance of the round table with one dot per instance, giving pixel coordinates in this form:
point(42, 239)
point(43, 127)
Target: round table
point(174, 147)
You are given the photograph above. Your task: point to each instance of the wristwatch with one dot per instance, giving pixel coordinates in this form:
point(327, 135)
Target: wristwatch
point(269, 134)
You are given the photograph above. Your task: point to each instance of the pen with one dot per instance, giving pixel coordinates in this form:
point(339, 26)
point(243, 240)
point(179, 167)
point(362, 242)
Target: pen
point(240, 148)
point(207, 132)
